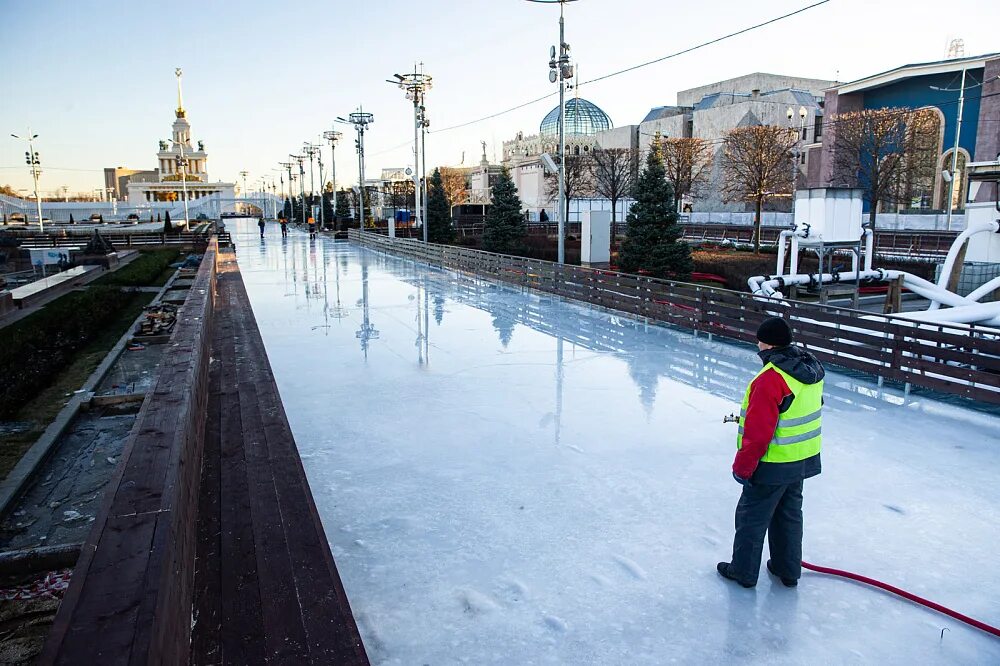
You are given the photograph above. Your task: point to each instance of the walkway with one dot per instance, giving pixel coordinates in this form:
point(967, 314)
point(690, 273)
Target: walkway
point(267, 589)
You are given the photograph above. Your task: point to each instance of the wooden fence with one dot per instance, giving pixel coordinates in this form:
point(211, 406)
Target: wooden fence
point(951, 358)
point(912, 243)
point(126, 241)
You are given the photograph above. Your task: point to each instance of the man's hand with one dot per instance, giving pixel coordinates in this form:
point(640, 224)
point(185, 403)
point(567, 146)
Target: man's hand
point(740, 480)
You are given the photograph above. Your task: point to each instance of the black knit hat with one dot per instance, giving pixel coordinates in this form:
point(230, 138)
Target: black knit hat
point(775, 331)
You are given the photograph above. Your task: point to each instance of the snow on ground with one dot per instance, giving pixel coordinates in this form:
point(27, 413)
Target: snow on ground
point(506, 478)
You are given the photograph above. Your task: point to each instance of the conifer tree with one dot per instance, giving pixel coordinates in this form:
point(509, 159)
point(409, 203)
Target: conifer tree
point(71, 220)
point(439, 229)
point(287, 210)
point(653, 239)
point(167, 227)
point(505, 227)
point(343, 205)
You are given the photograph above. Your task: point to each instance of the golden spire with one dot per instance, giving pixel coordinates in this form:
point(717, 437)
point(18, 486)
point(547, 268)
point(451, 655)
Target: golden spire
point(180, 100)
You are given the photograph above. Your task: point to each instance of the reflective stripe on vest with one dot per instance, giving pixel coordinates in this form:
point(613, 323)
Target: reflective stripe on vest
point(799, 431)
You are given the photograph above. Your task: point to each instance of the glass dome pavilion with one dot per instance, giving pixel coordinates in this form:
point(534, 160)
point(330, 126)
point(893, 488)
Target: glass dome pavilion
point(582, 118)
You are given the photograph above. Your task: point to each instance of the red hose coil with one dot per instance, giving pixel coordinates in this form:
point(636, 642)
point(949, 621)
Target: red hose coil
point(906, 595)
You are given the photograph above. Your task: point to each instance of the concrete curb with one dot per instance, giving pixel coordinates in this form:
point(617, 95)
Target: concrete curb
point(12, 486)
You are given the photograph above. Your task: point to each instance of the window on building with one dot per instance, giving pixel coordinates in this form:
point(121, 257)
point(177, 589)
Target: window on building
point(818, 128)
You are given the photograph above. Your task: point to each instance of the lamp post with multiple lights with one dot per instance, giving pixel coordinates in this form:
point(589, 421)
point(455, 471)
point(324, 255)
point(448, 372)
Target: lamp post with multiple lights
point(333, 136)
point(31, 158)
point(415, 85)
point(361, 120)
point(561, 70)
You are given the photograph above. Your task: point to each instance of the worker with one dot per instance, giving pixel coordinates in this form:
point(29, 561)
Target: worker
point(260, 223)
point(312, 227)
point(284, 226)
point(777, 447)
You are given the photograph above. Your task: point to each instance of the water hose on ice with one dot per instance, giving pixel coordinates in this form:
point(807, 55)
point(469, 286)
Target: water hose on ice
point(906, 595)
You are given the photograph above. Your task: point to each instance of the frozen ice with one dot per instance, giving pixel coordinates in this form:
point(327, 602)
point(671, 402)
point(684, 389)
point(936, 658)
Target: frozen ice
point(506, 477)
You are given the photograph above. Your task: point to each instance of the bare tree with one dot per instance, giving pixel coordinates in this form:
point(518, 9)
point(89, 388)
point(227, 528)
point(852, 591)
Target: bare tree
point(612, 172)
point(456, 185)
point(889, 153)
point(578, 179)
point(757, 165)
point(688, 162)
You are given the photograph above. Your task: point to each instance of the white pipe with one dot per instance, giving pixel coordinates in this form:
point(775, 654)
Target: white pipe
point(793, 267)
point(982, 313)
point(985, 289)
point(949, 262)
point(869, 237)
point(768, 286)
point(782, 238)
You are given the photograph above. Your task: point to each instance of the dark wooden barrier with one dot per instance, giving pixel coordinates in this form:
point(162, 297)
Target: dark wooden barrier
point(130, 599)
point(956, 359)
point(197, 241)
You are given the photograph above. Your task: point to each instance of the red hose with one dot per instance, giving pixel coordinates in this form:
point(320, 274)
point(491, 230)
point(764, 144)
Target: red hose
point(906, 595)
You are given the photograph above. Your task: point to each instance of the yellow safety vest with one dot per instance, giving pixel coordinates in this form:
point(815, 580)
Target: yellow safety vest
point(799, 432)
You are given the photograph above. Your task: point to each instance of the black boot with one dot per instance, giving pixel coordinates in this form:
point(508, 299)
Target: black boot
point(724, 569)
point(787, 582)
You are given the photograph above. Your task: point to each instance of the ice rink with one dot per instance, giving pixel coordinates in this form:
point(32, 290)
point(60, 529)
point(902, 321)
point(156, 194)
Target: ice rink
point(507, 478)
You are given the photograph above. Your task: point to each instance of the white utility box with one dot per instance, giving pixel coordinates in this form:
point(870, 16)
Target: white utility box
point(828, 214)
point(595, 237)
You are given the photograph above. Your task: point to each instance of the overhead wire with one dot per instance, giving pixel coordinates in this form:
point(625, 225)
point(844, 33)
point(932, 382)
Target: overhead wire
point(638, 66)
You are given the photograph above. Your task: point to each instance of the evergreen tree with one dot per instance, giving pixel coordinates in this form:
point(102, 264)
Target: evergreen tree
point(328, 211)
point(167, 227)
point(343, 205)
point(158, 220)
point(439, 229)
point(653, 238)
point(505, 227)
point(71, 220)
point(287, 210)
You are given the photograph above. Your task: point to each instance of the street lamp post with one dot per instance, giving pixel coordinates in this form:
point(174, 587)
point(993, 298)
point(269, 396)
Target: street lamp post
point(560, 69)
point(415, 85)
point(31, 158)
point(361, 120)
point(790, 113)
point(302, 182)
point(182, 169)
point(311, 151)
point(333, 136)
point(291, 211)
point(319, 167)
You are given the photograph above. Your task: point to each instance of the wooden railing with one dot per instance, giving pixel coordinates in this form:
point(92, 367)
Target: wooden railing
point(955, 359)
point(913, 243)
point(126, 241)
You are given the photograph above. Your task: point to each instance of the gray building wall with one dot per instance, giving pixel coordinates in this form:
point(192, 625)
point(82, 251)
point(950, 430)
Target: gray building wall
point(749, 82)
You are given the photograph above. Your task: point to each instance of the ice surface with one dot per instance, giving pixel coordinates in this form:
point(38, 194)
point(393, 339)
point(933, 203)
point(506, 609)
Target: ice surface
point(507, 478)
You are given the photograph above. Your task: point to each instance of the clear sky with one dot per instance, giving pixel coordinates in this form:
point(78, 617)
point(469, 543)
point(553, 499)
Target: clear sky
point(95, 79)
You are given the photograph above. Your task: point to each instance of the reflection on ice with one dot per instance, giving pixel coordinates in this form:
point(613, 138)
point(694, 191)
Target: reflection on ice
point(509, 478)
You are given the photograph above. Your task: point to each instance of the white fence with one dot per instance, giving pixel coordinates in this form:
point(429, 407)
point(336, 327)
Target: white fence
point(211, 207)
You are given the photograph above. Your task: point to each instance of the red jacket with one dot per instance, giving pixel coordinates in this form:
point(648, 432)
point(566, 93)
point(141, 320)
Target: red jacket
point(767, 392)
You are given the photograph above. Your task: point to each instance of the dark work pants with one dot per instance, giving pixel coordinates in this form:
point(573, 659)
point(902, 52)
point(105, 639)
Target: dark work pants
point(776, 510)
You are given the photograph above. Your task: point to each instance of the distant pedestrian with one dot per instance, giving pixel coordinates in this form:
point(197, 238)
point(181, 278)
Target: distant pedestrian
point(260, 223)
point(777, 447)
point(284, 227)
point(312, 228)
point(543, 216)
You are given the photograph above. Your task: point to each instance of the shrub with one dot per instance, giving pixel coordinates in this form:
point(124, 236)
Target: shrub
point(148, 270)
point(34, 350)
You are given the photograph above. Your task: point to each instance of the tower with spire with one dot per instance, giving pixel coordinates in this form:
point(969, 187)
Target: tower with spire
point(178, 159)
